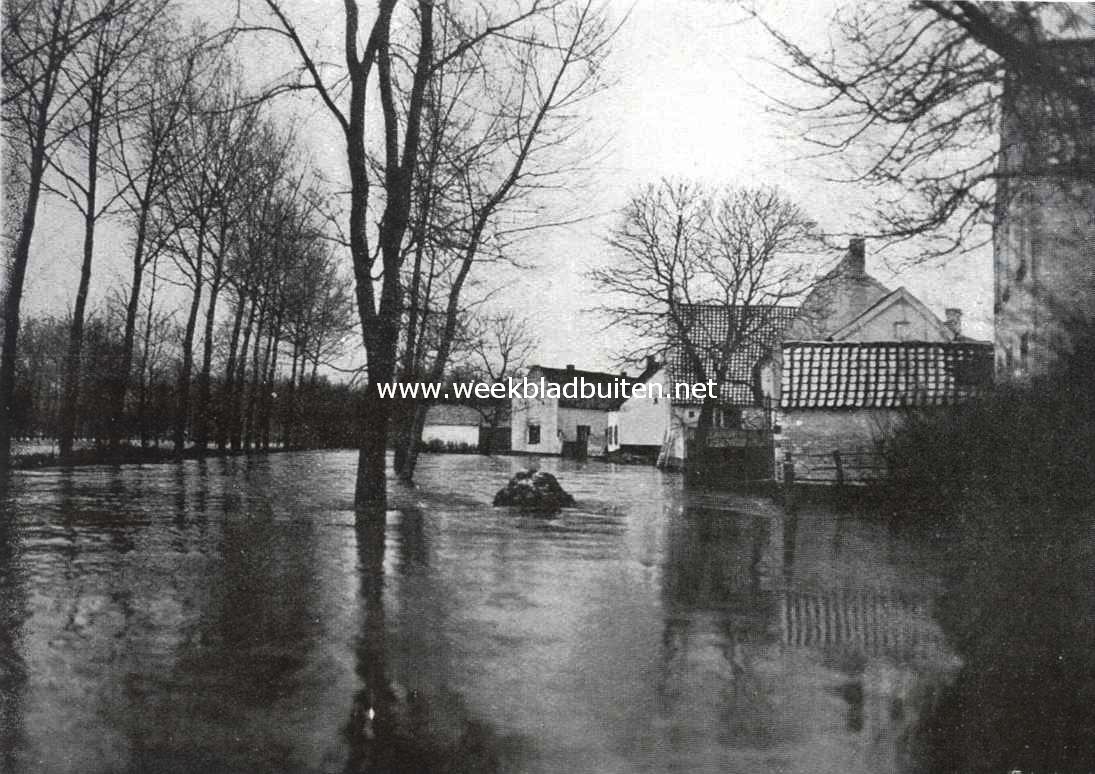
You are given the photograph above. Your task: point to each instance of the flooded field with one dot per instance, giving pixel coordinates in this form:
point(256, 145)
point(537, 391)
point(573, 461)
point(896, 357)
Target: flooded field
point(227, 615)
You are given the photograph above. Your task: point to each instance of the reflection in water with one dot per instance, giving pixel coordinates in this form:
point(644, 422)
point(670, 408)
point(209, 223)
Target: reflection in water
point(236, 615)
point(1024, 624)
point(13, 670)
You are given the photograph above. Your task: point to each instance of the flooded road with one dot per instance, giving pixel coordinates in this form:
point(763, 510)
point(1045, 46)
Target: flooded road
point(227, 615)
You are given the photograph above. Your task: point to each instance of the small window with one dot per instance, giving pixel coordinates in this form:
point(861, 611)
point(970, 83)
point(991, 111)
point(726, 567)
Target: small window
point(691, 414)
point(901, 330)
point(533, 435)
point(1024, 351)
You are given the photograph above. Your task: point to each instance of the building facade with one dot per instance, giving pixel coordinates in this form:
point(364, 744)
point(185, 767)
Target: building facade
point(740, 423)
point(846, 397)
point(570, 426)
point(639, 426)
point(1044, 231)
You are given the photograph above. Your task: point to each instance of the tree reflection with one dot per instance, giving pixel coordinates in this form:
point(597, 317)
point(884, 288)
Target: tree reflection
point(406, 717)
point(721, 616)
point(13, 612)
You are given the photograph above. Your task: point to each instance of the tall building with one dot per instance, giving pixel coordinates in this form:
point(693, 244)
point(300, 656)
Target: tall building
point(1044, 235)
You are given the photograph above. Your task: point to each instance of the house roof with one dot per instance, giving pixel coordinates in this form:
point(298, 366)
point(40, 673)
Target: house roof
point(451, 414)
point(604, 382)
point(883, 374)
point(884, 303)
point(708, 326)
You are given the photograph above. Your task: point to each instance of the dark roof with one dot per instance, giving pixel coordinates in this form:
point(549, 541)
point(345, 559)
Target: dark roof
point(451, 414)
point(461, 414)
point(837, 374)
point(707, 327)
point(603, 381)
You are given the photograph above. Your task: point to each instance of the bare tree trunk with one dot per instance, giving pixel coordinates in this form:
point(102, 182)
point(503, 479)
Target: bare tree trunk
point(270, 364)
point(117, 410)
point(188, 350)
point(239, 384)
point(256, 378)
point(227, 407)
point(290, 400)
point(71, 379)
point(13, 295)
point(201, 416)
point(142, 402)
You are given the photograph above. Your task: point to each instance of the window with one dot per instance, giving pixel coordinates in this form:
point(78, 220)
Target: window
point(726, 418)
point(533, 435)
point(901, 330)
point(1024, 351)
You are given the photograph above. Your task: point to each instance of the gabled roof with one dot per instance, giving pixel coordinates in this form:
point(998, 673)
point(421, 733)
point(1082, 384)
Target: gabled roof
point(883, 374)
point(605, 382)
point(884, 303)
point(708, 326)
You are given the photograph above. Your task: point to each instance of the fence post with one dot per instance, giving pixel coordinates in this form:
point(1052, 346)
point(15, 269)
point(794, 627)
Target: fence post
point(839, 478)
point(788, 481)
point(839, 469)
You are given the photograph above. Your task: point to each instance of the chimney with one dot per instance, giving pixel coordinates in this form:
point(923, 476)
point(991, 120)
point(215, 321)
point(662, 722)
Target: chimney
point(954, 321)
point(857, 256)
point(570, 366)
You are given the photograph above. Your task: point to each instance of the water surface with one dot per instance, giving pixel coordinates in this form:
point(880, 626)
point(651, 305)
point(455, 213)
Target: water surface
point(228, 615)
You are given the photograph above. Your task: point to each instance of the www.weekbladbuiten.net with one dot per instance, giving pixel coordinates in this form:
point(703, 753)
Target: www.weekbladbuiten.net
point(577, 388)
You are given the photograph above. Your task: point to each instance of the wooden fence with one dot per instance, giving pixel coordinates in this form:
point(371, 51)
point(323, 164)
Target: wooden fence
point(841, 467)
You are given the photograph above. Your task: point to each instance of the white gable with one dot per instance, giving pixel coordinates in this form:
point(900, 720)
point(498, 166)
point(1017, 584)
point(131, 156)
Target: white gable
point(899, 316)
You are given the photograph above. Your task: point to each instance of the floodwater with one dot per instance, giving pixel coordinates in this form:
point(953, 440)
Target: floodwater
point(227, 616)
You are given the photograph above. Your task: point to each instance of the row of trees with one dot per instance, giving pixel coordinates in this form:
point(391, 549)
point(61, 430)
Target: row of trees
point(118, 111)
point(291, 410)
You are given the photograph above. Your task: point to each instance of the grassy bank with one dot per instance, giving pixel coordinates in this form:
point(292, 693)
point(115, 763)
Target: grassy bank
point(129, 455)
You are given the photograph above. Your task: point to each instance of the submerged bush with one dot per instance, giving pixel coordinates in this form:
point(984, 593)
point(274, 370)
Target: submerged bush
point(1015, 456)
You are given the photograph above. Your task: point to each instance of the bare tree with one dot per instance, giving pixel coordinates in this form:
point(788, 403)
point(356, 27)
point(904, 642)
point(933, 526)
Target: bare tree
point(495, 134)
point(910, 98)
point(377, 273)
point(210, 158)
point(141, 157)
point(681, 247)
point(38, 41)
point(96, 75)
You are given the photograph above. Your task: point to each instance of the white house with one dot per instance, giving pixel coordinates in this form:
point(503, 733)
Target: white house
point(639, 425)
point(563, 425)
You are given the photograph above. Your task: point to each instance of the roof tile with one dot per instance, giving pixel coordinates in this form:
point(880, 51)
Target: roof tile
point(883, 374)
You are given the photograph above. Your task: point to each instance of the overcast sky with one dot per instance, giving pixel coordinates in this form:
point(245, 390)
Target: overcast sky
point(684, 105)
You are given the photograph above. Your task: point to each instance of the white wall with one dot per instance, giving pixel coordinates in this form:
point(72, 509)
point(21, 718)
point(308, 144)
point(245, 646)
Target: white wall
point(570, 418)
point(468, 434)
point(644, 421)
point(542, 411)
